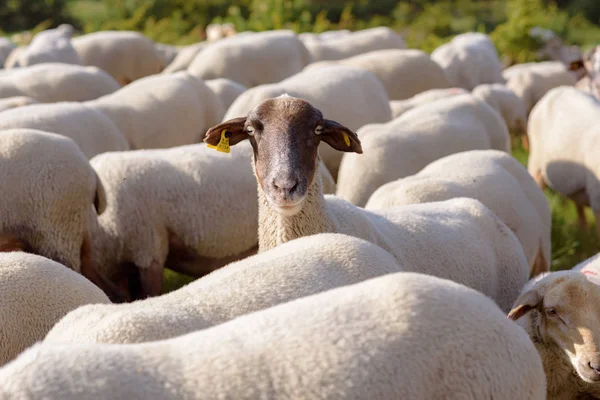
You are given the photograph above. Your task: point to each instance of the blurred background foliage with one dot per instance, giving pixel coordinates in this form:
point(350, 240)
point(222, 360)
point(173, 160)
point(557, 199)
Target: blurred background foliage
point(426, 24)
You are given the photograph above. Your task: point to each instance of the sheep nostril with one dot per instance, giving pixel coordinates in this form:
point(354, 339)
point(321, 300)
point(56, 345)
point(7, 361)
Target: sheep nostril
point(595, 366)
point(293, 188)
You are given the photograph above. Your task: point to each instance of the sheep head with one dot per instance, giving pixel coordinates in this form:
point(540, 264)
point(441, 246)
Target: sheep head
point(285, 133)
point(564, 312)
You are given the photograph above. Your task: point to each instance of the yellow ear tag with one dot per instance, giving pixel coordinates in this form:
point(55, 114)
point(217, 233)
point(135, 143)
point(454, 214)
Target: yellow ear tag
point(223, 145)
point(346, 139)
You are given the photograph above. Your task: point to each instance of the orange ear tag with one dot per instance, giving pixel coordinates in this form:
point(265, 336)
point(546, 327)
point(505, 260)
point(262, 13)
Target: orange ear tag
point(346, 139)
point(223, 145)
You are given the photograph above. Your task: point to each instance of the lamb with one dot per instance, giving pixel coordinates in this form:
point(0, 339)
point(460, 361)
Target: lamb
point(339, 45)
point(50, 196)
point(333, 89)
point(560, 313)
point(469, 60)
point(356, 346)
point(493, 177)
point(296, 269)
point(226, 89)
point(93, 132)
point(54, 82)
point(6, 47)
point(184, 57)
point(563, 133)
point(35, 293)
point(291, 203)
point(404, 73)
point(125, 55)
point(399, 107)
point(141, 233)
point(162, 111)
point(50, 46)
point(250, 59)
point(510, 106)
point(533, 81)
point(407, 144)
point(17, 101)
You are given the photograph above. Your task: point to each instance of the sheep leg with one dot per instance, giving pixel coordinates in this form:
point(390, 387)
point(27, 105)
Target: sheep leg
point(581, 217)
point(151, 280)
point(581, 200)
point(539, 179)
point(525, 141)
point(539, 265)
point(9, 243)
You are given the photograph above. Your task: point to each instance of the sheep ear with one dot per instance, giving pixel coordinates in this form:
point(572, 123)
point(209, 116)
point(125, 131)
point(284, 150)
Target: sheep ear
point(575, 65)
point(339, 137)
point(234, 126)
point(527, 302)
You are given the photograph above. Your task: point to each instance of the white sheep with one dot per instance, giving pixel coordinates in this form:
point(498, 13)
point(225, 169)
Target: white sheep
point(162, 111)
point(591, 81)
point(252, 59)
point(125, 55)
point(399, 107)
point(93, 132)
point(337, 46)
point(291, 204)
point(168, 52)
point(15, 102)
point(563, 135)
point(184, 57)
point(324, 36)
point(215, 220)
point(54, 82)
point(404, 73)
point(216, 32)
point(469, 60)
point(6, 47)
point(405, 336)
point(50, 193)
point(35, 293)
point(493, 177)
point(50, 46)
point(510, 106)
point(560, 313)
point(353, 96)
point(293, 270)
point(226, 89)
point(424, 134)
point(532, 81)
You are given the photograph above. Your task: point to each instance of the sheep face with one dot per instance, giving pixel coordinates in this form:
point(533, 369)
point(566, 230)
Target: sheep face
point(285, 133)
point(565, 314)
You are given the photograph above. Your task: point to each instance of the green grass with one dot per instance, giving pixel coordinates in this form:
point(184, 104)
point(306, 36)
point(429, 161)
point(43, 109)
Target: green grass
point(570, 244)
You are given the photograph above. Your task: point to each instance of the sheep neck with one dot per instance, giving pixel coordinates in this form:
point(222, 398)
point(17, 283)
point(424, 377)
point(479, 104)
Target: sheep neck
point(275, 229)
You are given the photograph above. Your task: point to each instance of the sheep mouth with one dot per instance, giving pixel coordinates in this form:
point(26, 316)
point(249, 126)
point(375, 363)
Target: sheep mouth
point(588, 377)
point(286, 209)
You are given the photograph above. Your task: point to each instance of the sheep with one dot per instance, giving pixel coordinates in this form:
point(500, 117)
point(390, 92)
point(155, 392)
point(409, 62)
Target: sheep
point(510, 106)
point(399, 107)
point(404, 73)
point(50, 46)
point(407, 144)
point(533, 81)
point(251, 59)
point(493, 177)
point(17, 101)
point(162, 111)
point(131, 245)
point(291, 202)
point(51, 195)
point(216, 32)
point(184, 57)
point(6, 47)
point(591, 81)
point(563, 133)
point(54, 82)
point(226, 89)
point(380, 339)
point(335, 90)
point(125, 55)
point(560, 313)
point(296, 269)
point(167, 52)
point(340, 45)
point(324, 36)
point(35, 293)
point(469, 60)
point(93, 132)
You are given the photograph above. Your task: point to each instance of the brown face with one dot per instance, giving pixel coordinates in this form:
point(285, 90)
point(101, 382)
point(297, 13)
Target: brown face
point(568, 308)
point(285, 133)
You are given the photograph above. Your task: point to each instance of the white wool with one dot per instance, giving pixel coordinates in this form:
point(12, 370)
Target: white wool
point(399, 107)
point(184, 57)
point(226, 90)
point(15, 102)
point(50, 46)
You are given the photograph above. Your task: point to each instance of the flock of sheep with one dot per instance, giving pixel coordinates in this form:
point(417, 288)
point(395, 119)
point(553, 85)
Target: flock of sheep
point(351, 207)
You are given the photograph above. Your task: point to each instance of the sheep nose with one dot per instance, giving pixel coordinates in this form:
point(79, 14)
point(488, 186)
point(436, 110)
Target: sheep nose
point(595, 365)
point(285, 187)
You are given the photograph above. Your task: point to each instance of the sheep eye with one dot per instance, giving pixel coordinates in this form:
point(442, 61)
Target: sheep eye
point(318, 130)
point(551, 312)
point(250, 130)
